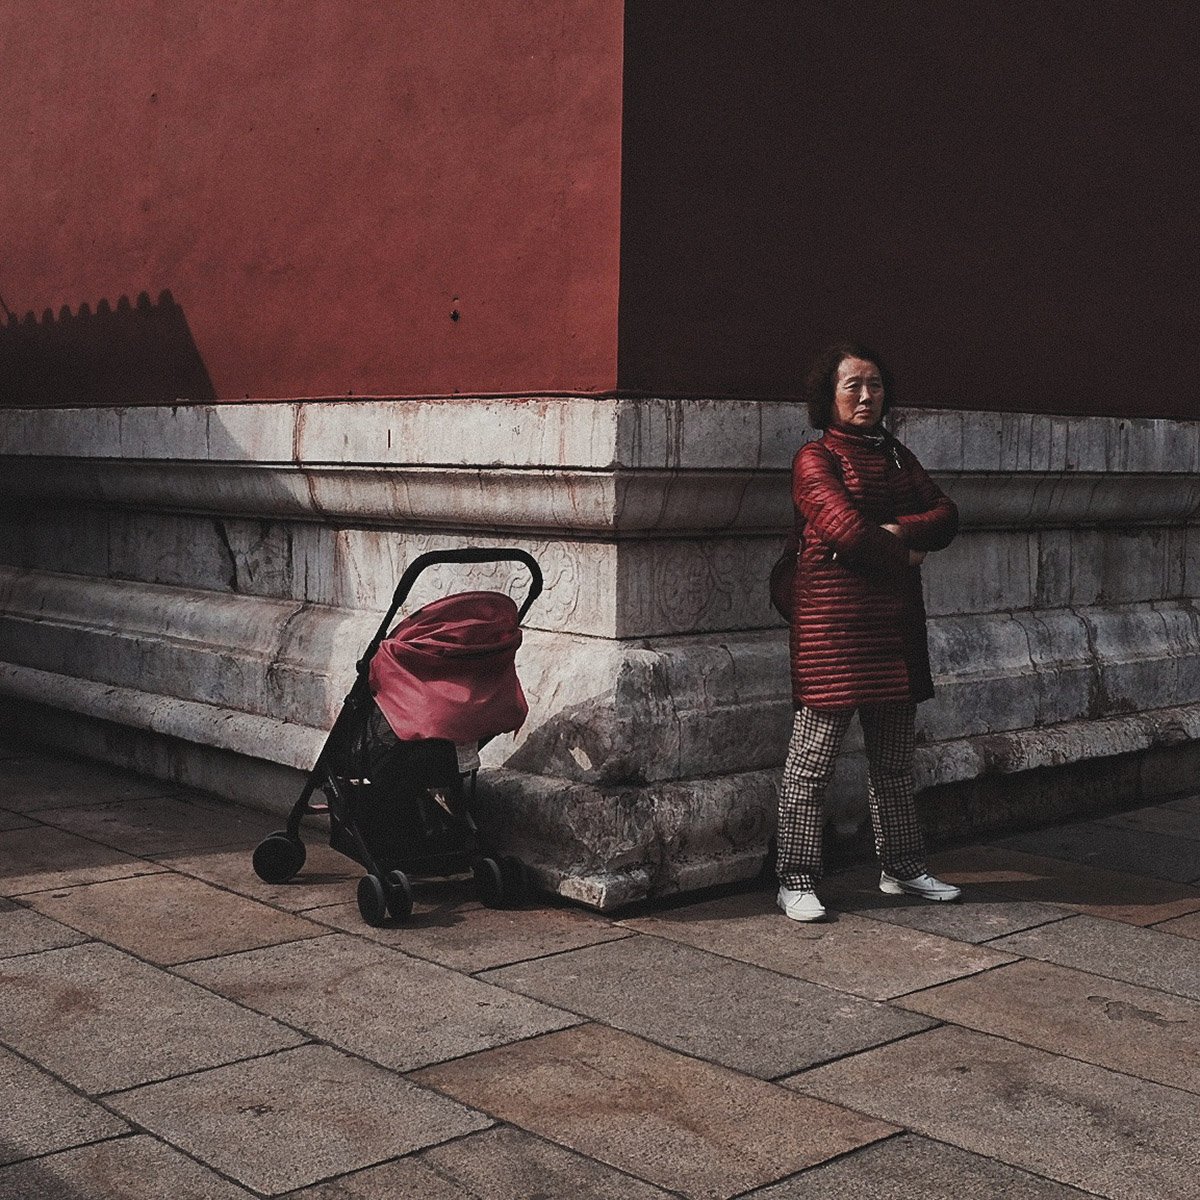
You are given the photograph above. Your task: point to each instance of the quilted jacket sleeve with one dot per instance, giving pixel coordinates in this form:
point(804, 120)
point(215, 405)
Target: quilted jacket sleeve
point(830, 515)
point(934, 526)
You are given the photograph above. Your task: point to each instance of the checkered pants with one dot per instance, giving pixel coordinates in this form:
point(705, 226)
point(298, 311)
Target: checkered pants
point(816, 741)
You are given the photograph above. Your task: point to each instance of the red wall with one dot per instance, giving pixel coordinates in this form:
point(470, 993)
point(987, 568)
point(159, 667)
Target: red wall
point(668, 196)
point(996, 195)
point(319, 183)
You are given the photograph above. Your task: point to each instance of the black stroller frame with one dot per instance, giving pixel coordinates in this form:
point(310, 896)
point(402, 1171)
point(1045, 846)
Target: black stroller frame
point(437, 831)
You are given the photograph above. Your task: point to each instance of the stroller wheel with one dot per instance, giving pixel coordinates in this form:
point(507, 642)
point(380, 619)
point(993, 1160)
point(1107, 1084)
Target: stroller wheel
point(517, 884)
point(372, 900)
point(278, 857)
point(399, 895)
point(489, 882)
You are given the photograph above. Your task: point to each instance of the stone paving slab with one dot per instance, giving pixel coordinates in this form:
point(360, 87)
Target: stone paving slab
point(34, 784)
point(1149, 957)
point(1159, 818)
point(39, 1114)
point(1008, 873)
point(25, 932)
point(127, 1168)
point(914, 1168)
point(398, 1011)
point(101, 1020)
point(327, 878)
point(685, 1125)
point(169, 918)
point(162, 824)
point(977, 917)
point(1072, 1122)
point(39, 859)
point(687, 999)
point(497, 1164)
point(448, 928)
point(848, 953)
point(1117, 1025)
point(1187, 926)
point(1136, 851)
point(1086, 996)
point(289, 1120)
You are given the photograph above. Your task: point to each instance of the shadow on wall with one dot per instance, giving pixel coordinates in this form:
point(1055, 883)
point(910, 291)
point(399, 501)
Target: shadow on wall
point(978, 190)
point(139, 353)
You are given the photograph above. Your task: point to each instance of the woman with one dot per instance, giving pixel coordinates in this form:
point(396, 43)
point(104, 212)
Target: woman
point(866, 516)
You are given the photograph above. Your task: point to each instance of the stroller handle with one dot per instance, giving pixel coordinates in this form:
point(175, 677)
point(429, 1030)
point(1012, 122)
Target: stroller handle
point(432, 558)
point(471, 555)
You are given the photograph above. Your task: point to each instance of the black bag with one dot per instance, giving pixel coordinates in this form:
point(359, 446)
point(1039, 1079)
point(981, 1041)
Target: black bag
point(783, 578)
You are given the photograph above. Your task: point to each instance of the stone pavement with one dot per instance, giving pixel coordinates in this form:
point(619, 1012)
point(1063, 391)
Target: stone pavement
point(172, 1027)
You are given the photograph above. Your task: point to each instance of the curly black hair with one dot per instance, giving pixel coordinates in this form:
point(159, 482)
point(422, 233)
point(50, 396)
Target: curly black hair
point(820, 377)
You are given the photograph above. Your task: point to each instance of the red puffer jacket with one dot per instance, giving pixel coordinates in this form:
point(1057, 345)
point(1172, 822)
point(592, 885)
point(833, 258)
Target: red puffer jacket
point(858, 620)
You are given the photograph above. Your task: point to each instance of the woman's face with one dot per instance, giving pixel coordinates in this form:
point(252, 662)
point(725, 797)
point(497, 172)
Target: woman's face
point(857, 393)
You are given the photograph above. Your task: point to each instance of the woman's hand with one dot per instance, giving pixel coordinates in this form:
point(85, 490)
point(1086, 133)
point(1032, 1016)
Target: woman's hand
point(915, 557)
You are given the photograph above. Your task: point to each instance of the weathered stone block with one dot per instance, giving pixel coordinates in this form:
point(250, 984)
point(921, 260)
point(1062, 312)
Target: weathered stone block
point(186, 590)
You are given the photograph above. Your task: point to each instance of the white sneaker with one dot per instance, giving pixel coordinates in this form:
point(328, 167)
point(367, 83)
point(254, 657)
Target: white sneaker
point(800, 905)
point(923, 885)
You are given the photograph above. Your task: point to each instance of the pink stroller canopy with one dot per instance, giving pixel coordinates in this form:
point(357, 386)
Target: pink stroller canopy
point(448, 670)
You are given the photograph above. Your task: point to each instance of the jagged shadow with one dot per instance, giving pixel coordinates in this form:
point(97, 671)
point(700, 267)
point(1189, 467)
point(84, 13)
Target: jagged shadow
point(136, 353)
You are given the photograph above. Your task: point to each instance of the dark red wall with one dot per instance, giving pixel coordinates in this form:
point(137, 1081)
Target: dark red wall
point(997, 196)
point(319, 184)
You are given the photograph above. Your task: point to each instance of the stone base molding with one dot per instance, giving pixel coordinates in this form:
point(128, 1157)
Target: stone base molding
point(186, 590)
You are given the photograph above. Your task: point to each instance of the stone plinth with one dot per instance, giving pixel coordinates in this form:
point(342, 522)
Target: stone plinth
point(186, 590)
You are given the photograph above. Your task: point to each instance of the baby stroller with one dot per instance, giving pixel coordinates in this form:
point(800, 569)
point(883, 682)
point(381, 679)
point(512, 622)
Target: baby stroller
point(398, 767)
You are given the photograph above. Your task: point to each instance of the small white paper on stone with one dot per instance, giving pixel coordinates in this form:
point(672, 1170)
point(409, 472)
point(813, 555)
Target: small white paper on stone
point(468, 757)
